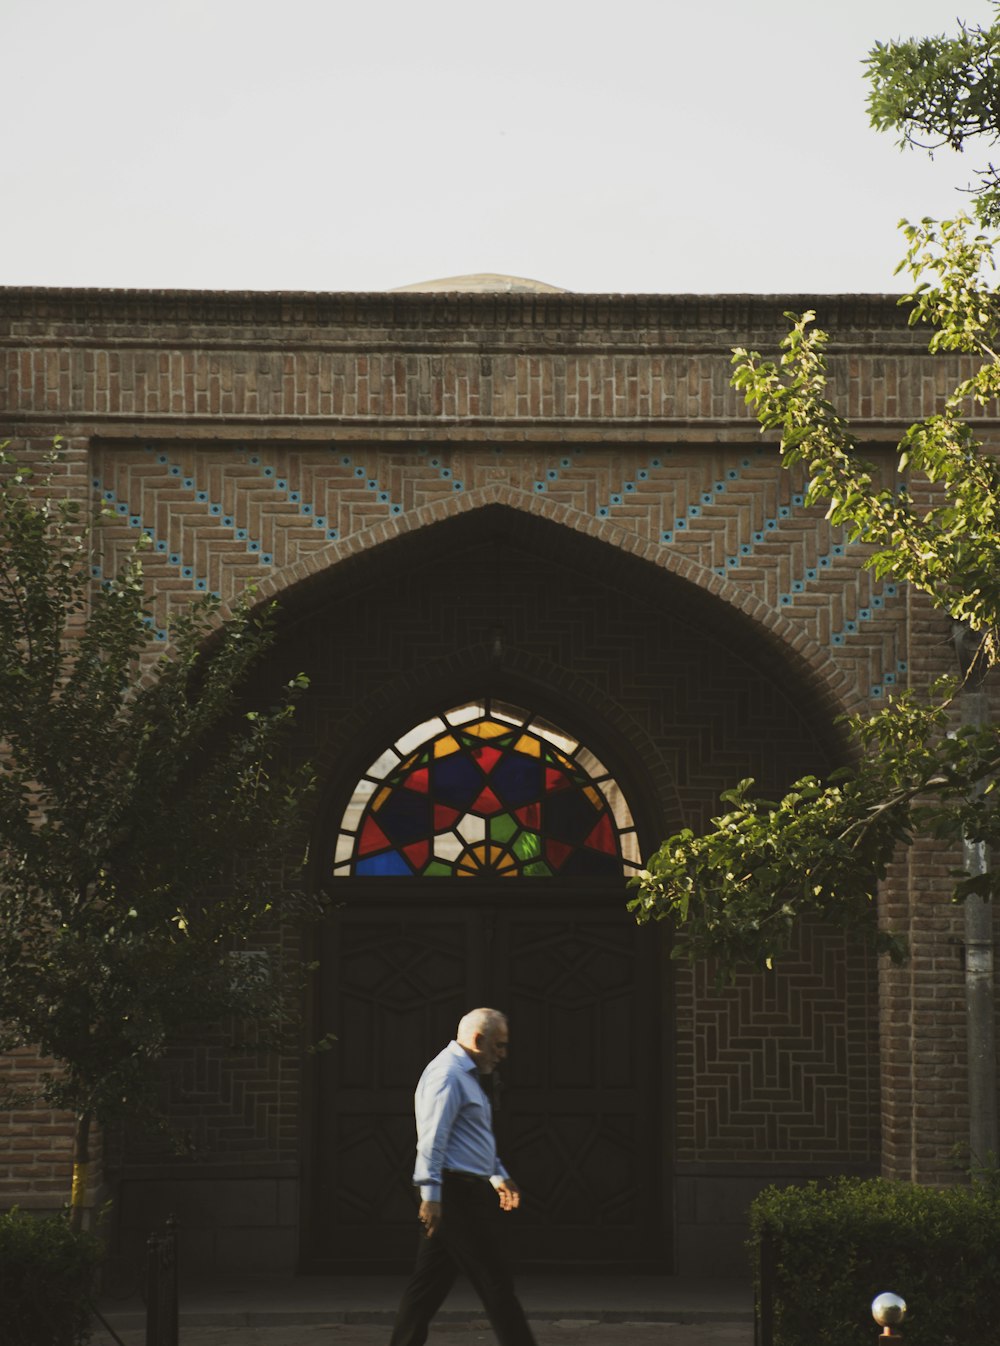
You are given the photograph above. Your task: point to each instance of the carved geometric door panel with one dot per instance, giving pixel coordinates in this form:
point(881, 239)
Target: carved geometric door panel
point(396, 981)
point(576, 1116)
point(579, 1116)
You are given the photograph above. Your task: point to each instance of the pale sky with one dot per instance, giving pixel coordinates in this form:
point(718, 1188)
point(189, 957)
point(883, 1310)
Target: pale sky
point(631, 145)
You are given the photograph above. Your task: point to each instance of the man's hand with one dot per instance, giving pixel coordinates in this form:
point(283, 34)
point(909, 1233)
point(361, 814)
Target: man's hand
point(509, 1194)
point(430, 1216)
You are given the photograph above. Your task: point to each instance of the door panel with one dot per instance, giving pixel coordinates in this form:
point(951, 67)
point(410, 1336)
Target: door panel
point(576, 1104)
point(577, 1119)
point(394, 981)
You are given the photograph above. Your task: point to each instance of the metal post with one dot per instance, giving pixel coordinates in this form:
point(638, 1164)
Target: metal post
point(979, 989)
point(763, 1325)
point(152, 1289)
point(169, 1314)
point(162, 1317)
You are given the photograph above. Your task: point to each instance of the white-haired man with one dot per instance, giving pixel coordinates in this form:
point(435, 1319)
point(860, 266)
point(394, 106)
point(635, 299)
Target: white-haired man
point(463, 1188)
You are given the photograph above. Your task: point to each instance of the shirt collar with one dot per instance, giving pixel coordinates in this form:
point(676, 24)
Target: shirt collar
point(462, 1055)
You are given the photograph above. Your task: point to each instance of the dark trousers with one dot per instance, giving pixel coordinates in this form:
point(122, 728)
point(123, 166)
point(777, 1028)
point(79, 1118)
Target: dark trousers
point(466, 1240)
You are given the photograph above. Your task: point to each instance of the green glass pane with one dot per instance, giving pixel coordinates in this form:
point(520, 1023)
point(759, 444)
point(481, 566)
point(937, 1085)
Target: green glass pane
point(503, 827)
point(438, 867)
point(528, 846)
point(538, 869)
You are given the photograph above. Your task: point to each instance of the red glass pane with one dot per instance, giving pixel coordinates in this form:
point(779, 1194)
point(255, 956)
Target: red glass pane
point(602, 838)
point(418, 780)
point(418, 854)
point(372, 838)
point(487, 803)
point(444, 817)
point(556, 852)
point(487, 757)
point(530, 815)
point(555, 780)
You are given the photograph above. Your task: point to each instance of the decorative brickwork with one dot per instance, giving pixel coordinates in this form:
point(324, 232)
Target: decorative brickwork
point(558, 498)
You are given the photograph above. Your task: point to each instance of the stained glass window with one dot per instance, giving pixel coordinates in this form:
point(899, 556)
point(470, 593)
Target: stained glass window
point(487, 789)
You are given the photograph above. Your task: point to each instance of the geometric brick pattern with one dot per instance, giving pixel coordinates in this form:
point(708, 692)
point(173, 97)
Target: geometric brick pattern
point(782, 1064)
point(217, 520)
point(283, 439)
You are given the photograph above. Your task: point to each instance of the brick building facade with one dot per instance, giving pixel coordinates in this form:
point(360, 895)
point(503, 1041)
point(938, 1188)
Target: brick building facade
point(556, 500)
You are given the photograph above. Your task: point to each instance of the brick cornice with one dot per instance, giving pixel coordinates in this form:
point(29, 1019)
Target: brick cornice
point(464, 318)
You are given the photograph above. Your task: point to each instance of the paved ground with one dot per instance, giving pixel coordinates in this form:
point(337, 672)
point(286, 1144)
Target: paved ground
point(358, 1310)
point(564, 1332)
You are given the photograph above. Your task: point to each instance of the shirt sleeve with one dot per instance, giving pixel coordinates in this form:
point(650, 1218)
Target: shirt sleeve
point(436, 1109)
point(501, 1175)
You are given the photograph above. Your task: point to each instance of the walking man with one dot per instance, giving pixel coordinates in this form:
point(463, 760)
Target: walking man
point(463, 1188)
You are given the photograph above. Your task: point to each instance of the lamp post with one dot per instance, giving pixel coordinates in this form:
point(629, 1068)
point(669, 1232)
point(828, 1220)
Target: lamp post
point(888, 1310)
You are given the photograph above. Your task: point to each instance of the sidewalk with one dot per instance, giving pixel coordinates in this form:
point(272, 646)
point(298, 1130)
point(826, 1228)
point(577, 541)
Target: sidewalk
point(357, 1311)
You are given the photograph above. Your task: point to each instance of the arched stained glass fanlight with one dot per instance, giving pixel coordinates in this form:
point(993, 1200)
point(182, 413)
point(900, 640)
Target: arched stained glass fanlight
point(487, 790)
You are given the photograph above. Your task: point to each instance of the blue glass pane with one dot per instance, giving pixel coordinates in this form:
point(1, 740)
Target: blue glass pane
point(389, 862)
point(405, 816)
point(517, 779)
point(455, 781)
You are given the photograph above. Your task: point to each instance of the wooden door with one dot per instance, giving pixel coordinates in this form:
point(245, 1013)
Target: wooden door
point(578, 1115)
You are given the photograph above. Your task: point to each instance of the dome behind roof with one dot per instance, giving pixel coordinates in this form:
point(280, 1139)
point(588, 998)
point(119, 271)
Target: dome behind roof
point(483, 282)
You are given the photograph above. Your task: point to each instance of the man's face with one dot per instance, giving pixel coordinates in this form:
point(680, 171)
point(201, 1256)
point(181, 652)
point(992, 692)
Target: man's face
point(491, 1049)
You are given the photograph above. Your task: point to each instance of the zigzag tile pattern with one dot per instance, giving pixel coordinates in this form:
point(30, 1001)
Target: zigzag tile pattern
point(216, 520)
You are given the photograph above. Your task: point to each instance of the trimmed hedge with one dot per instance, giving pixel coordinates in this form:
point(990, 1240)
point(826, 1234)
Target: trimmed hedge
point(46, 1280)
point(838, 1246)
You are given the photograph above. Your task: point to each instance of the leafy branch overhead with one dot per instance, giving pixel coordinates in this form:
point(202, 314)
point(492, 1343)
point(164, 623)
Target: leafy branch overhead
point(942, 92)
point(147, 827)
point(932, 521)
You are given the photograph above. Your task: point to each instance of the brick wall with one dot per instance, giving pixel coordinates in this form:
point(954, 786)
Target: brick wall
point(321, 445)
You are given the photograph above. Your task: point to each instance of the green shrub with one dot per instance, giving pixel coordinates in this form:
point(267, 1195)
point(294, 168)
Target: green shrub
point(838, 1246)
point(46, 1279)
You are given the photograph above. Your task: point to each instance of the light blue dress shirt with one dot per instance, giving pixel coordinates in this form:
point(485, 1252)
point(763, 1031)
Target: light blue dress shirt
point(454, 1123)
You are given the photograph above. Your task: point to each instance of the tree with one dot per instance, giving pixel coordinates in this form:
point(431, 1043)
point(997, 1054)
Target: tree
point(740, 890)
point(144, 819)
point(940, 92)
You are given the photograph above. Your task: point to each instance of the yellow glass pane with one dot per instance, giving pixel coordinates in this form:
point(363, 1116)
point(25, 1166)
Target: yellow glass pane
point(529, 746)
point(487, 729)
point(594, 797)
point(381, 797)
point(443, 747)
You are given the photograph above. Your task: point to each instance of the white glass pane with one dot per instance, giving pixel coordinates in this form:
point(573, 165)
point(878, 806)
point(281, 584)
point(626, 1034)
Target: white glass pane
point(419, 734)
point(593, 767)
point(383, 764)
point(448, 846)
point(470, 710)
point(345, 848)
point(471, 828)
point(554, 735)
point(630, 849)
point(616, 802)
point(359, 800)
point(503, 710)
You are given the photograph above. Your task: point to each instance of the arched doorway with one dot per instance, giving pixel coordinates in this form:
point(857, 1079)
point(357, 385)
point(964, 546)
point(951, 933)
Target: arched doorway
point(678, 695)
point(542, 835)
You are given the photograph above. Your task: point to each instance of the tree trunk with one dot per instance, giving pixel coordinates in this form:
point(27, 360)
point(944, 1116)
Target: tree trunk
point(81, 1171)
